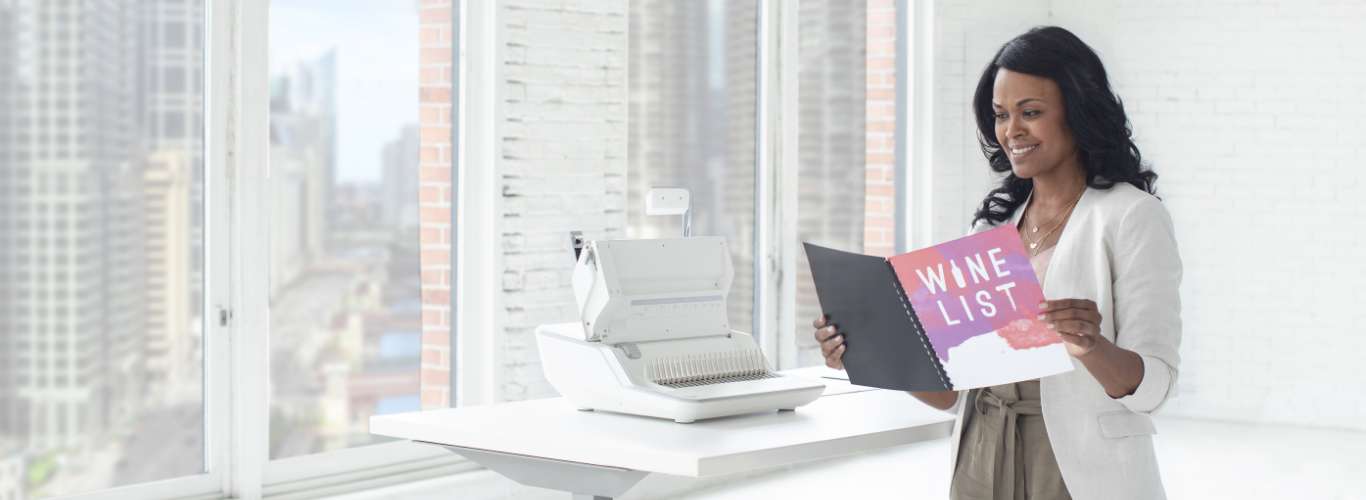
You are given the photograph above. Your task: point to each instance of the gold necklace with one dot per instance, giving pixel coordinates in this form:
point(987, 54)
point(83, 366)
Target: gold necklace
point(1034, 244)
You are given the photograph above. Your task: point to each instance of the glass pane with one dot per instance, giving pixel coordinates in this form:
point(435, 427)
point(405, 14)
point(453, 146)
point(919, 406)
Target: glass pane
point(101, 244)
point(832, 196)
point(345, 301)
point(693, 101)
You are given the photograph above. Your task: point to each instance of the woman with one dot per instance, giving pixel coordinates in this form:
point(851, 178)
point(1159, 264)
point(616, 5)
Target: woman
point(1101, 243)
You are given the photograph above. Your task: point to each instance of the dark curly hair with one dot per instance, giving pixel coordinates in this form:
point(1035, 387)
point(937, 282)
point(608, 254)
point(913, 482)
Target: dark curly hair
point(1094, 114)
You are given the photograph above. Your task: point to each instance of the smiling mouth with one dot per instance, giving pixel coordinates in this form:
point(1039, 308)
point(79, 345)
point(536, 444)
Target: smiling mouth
point(1019, 151)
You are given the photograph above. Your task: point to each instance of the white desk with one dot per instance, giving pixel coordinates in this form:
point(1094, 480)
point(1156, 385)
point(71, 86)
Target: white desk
point(549, 444)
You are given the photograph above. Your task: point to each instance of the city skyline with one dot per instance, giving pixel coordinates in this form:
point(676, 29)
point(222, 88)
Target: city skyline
point(376, 66)
point(101, 186)
point(101, 172)
point(345, 289)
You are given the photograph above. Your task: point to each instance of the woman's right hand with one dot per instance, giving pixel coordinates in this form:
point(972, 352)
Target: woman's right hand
point(832, 347)
point(831, 341)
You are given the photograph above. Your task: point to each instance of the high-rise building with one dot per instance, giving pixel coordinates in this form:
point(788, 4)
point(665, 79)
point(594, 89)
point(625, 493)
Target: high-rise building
point(9, 208)
point(692, 123)
point(169, 350)
point(171, 101)
point(739, 105)
point(693, 84)
point(303, 123)
point(73, 257)
point(667, 46)
point(400, 197)
point(832, 107)
point(289, 198)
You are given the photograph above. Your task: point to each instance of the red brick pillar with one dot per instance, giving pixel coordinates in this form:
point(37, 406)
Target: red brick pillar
point(879, 216)
point(435, 166)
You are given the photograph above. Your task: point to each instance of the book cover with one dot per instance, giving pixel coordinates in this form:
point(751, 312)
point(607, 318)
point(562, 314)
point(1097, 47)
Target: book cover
point(958, 315)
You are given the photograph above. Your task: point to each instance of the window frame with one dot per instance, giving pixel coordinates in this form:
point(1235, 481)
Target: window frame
point(220, 20)
point(256, 475)
point(779, 91)
point(475, 358)
point(236, 350)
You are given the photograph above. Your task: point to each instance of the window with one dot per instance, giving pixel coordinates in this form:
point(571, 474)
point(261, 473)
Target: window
point(113, 374)
point(173, 126)
point(174, 80)
point(691, 123)
point(111, 394)
point(344, 277)
point(846, 106)
point(174, 36)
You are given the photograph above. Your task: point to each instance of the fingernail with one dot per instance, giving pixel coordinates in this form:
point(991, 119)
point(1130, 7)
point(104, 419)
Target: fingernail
point(1043, 305)
point(1051, 327)
point(1040, 316)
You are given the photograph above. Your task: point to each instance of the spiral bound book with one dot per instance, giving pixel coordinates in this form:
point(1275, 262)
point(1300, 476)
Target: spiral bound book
point(954, 316)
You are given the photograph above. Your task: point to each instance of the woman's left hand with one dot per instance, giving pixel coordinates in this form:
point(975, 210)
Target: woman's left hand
point(1077, 321)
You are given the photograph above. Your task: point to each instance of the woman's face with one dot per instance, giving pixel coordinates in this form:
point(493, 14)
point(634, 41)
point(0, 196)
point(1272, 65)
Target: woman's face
point(1030, 123)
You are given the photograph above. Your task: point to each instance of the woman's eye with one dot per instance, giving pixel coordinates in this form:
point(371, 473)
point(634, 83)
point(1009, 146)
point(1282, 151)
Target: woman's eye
point(1031, 113)
point(1000, 116)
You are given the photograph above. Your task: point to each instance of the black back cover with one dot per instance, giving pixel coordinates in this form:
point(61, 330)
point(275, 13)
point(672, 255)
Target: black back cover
point(884, 344)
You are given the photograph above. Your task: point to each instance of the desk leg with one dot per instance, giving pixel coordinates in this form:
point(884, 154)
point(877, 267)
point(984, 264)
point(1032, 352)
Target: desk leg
point(584, 481)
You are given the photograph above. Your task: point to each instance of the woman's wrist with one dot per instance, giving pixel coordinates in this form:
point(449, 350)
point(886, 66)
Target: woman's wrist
point(1101, 350)
point(1118, 370)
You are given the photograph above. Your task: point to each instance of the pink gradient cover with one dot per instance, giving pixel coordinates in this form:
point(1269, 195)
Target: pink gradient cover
point(982, 284)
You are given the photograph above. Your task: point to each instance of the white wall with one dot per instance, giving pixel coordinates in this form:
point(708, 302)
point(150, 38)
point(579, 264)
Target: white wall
point(1251, 112)
point(1245, 109)
point(966, 34)
point(563, 76)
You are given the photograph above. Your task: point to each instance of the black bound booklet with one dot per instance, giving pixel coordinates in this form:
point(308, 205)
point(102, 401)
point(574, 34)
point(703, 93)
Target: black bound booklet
point(958, 315)
point(882, 344)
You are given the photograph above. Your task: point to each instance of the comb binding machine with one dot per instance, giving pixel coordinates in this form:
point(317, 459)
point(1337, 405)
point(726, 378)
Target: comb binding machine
point(654, 339)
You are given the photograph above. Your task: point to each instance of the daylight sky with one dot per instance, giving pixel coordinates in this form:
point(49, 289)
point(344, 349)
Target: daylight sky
point(377, 69)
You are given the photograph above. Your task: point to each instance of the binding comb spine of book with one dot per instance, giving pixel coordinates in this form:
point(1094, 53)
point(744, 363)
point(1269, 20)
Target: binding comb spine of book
point(690, 370)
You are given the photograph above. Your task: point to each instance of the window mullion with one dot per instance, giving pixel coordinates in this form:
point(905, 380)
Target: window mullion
point(478, 353)
point(776, 184)
point(917, 218)
point(766, 117)
point(248, 166)
point(788, 167)
point(218, 67)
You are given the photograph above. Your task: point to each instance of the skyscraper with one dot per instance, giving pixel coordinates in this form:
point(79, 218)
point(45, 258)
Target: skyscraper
point(171, 102)
point(739, 105)
point(9, 207)
point(400, 195)
point(168, 350)
point(73, 264)
point(693, 84)
point(831, 104)
point(303, 121)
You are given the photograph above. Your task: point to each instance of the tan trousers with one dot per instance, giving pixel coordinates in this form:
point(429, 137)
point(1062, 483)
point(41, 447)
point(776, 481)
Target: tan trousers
point(1005, 453)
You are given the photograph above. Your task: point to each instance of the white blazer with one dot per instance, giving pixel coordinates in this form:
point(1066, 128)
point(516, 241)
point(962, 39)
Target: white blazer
point(1119, 250)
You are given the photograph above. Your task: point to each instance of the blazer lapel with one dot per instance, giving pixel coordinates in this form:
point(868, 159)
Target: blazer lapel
point(1065, 240)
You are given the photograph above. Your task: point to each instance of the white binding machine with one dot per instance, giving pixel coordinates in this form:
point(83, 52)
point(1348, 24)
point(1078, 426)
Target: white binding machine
point(654, 339)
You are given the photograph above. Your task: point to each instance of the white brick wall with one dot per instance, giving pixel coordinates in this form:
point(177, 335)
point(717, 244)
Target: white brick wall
point(1246, 110)
point(1251, 113)
point(966, 35)
point(563, 164)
